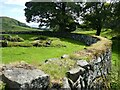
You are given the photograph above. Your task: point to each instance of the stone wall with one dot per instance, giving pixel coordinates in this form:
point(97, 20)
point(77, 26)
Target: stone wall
point(93, 64)
point(88, 40)
point(91, 74)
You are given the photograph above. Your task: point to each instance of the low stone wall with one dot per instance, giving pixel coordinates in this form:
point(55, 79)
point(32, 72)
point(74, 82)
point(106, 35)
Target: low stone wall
point(93, 64)
point(88, 40)
point(91, 74)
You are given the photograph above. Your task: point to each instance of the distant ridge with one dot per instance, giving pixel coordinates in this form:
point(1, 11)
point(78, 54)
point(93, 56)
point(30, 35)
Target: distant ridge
point(10, 24)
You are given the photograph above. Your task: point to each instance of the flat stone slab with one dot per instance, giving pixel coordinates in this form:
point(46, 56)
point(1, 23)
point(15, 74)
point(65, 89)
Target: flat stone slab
point(21, 78)
point(82, 63)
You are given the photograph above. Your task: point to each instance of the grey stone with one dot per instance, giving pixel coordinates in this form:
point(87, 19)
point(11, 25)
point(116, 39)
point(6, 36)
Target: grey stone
point(99, 60)
point(48, 42)
point(82, 63)
point(64, 56)
point(51, 59)
point(25, 79)
point(74, 73)
point(66, 84)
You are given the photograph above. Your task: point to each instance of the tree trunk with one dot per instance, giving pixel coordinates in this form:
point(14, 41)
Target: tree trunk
point(98, 30)
point(62, 24)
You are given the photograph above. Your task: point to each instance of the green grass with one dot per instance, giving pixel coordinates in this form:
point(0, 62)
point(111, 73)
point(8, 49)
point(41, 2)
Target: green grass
point(36, 55)
point(57, 68)
point(14, 28)
point(20, 28)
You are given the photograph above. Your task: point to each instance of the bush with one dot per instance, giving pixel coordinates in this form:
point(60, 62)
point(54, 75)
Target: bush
point(19, 44)
point(12, 39)
point(17, 39)
point(6, 37)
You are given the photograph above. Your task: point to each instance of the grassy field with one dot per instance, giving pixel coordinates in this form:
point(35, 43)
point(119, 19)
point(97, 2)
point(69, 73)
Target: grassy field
point(36, 55)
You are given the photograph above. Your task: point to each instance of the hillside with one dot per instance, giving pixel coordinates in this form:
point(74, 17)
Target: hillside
point(10, 24)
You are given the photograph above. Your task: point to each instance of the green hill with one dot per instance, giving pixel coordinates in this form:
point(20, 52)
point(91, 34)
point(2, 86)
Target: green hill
point(10, 24)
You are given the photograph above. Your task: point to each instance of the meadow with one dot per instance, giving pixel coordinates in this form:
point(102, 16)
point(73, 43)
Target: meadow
point(36, 55)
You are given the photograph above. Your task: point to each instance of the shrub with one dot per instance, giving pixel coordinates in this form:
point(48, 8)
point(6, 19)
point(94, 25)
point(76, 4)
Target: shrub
point(17, 39)
point(19, 44)
point(12, 39)
point(6, 37)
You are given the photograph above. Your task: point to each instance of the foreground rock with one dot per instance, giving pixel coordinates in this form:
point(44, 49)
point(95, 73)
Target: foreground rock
point(24, 78)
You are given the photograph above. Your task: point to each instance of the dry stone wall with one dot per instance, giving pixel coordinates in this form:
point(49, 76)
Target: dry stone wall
point(90, 72)
point(90, 75)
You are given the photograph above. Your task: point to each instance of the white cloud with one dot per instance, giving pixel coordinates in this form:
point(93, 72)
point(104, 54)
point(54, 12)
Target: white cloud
point(32, 24)
point(16, 2)
point(16, 10)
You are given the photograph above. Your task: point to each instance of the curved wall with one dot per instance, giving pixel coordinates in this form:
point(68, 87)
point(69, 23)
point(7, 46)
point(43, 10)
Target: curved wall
point(93, 65)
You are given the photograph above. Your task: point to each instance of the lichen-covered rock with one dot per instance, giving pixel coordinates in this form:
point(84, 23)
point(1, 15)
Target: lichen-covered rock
point(66, 84)
point(20, 78)
point(74, 73)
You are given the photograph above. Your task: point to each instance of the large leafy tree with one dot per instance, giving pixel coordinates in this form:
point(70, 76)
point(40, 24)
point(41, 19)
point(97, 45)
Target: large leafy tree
point(63, 15)
point(115, 20)
point(96, 14)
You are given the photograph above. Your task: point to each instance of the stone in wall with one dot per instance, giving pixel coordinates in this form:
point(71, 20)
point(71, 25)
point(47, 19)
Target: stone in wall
point(24, 78)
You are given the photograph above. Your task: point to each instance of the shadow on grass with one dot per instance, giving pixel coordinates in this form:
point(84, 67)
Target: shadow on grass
point(61, 35)
point(115, 65)
point(116, 46)
point(72, 41)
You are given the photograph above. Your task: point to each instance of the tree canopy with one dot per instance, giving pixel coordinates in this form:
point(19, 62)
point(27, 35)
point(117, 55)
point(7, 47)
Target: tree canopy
point(53, 14)
point(96, 14)
point(65, 16)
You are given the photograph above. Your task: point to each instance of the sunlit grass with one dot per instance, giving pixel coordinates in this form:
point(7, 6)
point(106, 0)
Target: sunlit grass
point(36, 55)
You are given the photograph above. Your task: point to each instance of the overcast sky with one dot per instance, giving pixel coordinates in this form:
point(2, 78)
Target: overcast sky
point(14, 9)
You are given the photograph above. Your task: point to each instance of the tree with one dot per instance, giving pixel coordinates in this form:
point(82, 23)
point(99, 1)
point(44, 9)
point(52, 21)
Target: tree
point(115, 20)
point(95, 14)
point(53, 14)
